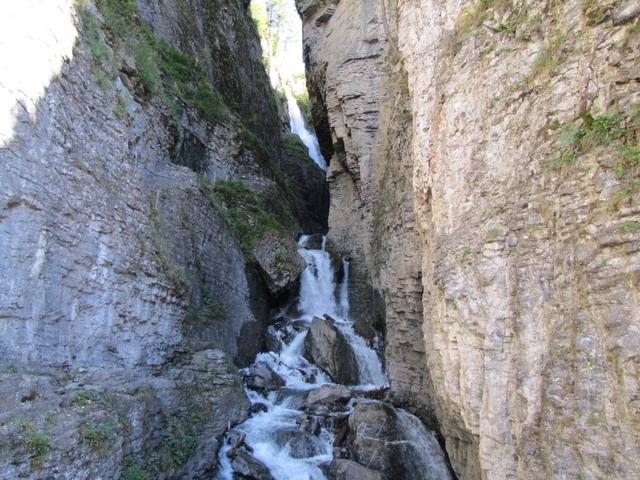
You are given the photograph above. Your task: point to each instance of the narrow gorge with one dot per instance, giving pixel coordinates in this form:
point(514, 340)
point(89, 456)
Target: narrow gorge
point(309, 239)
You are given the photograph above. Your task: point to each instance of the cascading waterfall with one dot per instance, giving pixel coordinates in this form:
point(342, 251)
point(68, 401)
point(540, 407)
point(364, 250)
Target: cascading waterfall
point(264, 431)
point(299, 128)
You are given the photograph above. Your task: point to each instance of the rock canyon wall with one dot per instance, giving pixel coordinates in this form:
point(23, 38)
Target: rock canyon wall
point(484, 178)
point(146, 226)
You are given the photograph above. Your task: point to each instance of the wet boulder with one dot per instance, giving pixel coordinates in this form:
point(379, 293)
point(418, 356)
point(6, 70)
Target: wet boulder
point(328, 394)
point(309, 423)
point(245, 465)
point(279, 262)
point(262, 377)
point(341, 469)
point(366, 331)
point(326, 346)
point(395, 443)
point(301, 444)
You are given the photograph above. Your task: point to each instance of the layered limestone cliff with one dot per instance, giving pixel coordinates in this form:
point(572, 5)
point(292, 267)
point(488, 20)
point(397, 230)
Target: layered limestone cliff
point(146, 227)
point(513, 156)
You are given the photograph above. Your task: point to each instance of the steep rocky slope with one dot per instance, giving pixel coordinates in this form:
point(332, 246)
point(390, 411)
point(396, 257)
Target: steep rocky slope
point(520, 177)
point(146, 227)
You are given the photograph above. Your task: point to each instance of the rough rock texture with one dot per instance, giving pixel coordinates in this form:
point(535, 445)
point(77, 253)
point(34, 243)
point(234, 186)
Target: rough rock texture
point(328, 394)
point(104, 423)
point(361, 93)
point(343, 52)
point(307, 182)
point(526, 263)
point(115, 254)
point(530, 276)
point(395, 443)
point(349, 470)
point(326, 346)
point(280, 262)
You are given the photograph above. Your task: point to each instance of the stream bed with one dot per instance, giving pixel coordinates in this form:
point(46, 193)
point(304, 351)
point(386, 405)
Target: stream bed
point(316, 410)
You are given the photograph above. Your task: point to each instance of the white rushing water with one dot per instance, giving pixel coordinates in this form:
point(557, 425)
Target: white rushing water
point(319, 296)
point(308, 137)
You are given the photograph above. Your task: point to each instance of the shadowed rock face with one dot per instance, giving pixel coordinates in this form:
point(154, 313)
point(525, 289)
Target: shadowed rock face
point(395, 443)
point(119, 257)
point(103, 422)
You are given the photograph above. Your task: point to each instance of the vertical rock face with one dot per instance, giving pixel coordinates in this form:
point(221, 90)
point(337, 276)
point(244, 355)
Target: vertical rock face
point(520, 180)
point(361, 92)
point(119, 254)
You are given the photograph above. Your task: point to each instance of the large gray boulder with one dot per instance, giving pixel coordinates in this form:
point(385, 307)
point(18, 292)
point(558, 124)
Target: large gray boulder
point(349, 470)
point(279, 262)
point(395, 443)
point(246, 466)
point(328, 394)
point(327, 347)
point(262, 377)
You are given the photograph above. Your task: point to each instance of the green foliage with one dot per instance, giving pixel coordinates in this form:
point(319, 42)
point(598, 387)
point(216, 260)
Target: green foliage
point(250, 216)
point(472, 17)
point(293, 146)
point(37, 444)
point(9, 369)
point(82, 399)
point(629, 226)
point(179, 441)
point(599, 130)
point(147, 66)
point(133, 471)
point(549, 57)
point(96, 436)
point(162, 69)
point(210, 309)
point(119, 16)
point(594, 420)
point(99, 49)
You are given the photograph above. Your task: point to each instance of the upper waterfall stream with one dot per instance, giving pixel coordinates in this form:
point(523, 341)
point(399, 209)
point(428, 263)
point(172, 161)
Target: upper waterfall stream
point(308, 137)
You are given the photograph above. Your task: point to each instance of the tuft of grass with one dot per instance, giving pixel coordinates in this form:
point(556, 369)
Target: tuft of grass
point(594, 420)
point(9, 369)
point(473, 17)
point(38, 445)
point(179, 441)
point(629, 226)
point(599, 130)
point(210, 309)
point(96, 435)
point(82, 399)
point(549, 57)
point(133, 471)
point(35, 442)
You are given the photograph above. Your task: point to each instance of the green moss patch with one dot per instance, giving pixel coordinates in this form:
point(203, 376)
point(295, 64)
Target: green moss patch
point(251, 216)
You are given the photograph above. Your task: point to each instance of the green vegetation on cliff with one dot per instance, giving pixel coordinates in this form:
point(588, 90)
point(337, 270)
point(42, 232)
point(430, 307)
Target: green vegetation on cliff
point(250, 215)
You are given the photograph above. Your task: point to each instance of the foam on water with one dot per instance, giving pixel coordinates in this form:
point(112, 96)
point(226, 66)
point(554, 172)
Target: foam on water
point(319, 296)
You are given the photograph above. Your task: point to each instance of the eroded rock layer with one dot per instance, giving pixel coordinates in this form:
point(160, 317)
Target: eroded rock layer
point(146, 228)
point(503, 238)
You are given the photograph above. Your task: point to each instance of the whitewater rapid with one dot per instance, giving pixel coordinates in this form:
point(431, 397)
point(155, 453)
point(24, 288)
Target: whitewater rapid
point(319, 295)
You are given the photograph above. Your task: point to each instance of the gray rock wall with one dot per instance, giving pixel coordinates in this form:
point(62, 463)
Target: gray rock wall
point(121, 268)
point(515, 179)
